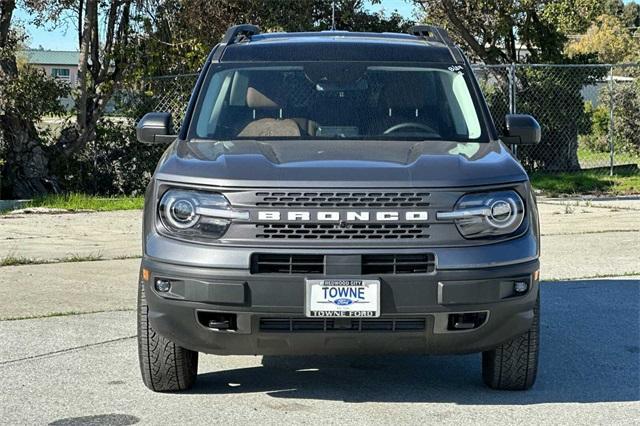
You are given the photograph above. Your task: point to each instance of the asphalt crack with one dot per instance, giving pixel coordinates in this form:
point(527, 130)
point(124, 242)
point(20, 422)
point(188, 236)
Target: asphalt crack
point(604, 231)
point(64, 351)
point(584, 204)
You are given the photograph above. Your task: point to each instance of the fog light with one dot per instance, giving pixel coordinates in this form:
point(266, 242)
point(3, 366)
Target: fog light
point(163, 286)
point(520, 286)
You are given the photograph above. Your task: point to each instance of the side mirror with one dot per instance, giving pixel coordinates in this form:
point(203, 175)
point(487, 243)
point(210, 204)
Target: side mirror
point(521, 129)
point(155, 127)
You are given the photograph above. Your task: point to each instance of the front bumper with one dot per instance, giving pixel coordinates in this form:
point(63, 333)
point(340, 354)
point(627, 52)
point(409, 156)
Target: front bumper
point(425, 299)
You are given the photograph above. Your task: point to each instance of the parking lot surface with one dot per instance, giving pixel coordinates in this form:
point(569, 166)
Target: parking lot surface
point(75, 360)
point(70, 370)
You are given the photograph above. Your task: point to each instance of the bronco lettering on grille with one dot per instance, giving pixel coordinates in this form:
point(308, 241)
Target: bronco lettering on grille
point(337, 216)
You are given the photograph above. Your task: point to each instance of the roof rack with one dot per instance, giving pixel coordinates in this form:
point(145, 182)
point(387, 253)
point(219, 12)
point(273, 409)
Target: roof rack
point(235, 34)
point(438, 35)
point(239, 33)
point(431, 33)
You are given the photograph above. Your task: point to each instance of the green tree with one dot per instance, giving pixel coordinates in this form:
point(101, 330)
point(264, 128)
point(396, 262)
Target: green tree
point(104, 37)
point(498, 31)
point(26, 94)
point(122, 41)
point(626, 126)
point(631, 16)
point(179, 33)
point(510, 31)
point(608, 40)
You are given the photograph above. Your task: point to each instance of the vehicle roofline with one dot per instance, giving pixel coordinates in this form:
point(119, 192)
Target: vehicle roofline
point(427, 35)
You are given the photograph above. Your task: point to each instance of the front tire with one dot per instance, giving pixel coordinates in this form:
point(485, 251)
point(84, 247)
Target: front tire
point(165, 366)
point(514, 364)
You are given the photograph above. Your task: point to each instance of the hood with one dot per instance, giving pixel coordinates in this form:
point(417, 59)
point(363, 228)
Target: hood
point(339, 163)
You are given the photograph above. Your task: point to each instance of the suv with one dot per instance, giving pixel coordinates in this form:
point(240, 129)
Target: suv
point(338, 193)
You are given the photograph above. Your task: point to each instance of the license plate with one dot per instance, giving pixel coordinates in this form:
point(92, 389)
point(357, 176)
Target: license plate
point(342, 298)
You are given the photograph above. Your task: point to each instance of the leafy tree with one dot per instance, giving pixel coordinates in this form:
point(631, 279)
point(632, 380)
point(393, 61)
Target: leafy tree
point(626, 126)
point(553, 96)
point(575, 16)
point(179, 33)
point(123, 40)
point(105, 56)
point(497, 31)
point(104, 37)
point(521, 31)
point(26, 94)
point(609, 40)
point(631, 16)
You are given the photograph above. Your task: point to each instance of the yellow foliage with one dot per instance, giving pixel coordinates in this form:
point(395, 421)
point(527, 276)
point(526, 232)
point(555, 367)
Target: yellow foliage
point(609, 40)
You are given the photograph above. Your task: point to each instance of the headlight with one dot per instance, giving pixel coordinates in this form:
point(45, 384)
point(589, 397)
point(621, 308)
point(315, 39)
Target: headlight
point(196, 214)
point(488, 214)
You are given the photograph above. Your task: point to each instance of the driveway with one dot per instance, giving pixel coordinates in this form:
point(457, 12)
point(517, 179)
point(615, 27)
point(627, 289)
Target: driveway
point(75, 361)
point(76, 369)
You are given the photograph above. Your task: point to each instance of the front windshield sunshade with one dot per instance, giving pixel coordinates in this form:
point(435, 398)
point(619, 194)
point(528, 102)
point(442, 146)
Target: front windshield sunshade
point(337, 100)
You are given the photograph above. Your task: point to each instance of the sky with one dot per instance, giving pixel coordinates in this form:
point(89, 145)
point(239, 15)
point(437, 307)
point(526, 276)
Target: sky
point(62, 38)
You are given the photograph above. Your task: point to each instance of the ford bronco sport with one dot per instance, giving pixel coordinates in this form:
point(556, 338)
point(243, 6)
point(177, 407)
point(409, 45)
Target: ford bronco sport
point(338, 193)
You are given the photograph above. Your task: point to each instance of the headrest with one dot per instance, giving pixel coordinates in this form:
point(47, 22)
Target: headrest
point(409, 90)
point(256, 99)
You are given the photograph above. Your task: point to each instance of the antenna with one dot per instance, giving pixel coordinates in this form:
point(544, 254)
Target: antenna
point(333, 15)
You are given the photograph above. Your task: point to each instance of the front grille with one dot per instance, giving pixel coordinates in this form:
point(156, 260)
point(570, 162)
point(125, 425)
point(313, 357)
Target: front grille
point(374, 264)
point(305, 325)
point(262, 263)
point(395, 199)
point(370, 264)
point(336, 231)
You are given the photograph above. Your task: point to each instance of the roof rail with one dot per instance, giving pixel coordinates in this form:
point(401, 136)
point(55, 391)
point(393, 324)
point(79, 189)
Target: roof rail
point(239, 33)
point(438, 35)
point(431, 33)
point(235, 34)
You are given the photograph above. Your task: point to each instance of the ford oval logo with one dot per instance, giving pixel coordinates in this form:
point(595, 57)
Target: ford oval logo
point(343, 302)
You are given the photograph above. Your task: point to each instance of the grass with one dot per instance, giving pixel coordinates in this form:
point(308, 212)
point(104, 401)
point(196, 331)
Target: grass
point(590, 158)
point(586, 182)
point(79, 202)
point(12, 260)
point(82, 258)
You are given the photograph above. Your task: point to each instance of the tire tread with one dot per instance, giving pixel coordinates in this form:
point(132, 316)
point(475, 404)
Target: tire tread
point(165, 366)
point(514, 364)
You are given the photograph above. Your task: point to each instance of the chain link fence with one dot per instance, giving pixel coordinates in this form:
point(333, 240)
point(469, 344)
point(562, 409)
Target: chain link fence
point(169, 93)
point(589, 114)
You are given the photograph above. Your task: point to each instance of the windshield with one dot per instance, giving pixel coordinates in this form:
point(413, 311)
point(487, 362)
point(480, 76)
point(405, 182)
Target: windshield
point(337, 100)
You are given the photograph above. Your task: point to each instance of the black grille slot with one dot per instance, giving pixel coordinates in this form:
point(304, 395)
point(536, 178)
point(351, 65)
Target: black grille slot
point(368, 199)
point(305, 325)
point(375, 264)
point(262, 263)
point(336, 231)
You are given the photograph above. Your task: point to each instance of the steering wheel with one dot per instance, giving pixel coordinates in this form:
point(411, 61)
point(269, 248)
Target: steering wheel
point(409, 125)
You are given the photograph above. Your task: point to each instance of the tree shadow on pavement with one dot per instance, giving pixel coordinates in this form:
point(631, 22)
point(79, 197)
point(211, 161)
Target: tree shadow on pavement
point(590, 352)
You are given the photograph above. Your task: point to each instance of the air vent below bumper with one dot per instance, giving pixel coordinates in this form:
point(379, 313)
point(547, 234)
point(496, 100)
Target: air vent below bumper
point(306, 325)
point(376, 264)
point(262, 263)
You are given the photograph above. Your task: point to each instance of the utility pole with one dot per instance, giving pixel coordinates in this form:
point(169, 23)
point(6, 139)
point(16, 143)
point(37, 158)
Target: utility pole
point(333, 15)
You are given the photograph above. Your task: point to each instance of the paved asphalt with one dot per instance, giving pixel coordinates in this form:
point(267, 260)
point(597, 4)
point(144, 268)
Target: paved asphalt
point(82, 369)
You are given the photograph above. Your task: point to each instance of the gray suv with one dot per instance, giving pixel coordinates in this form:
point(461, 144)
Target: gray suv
point(338, 193)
